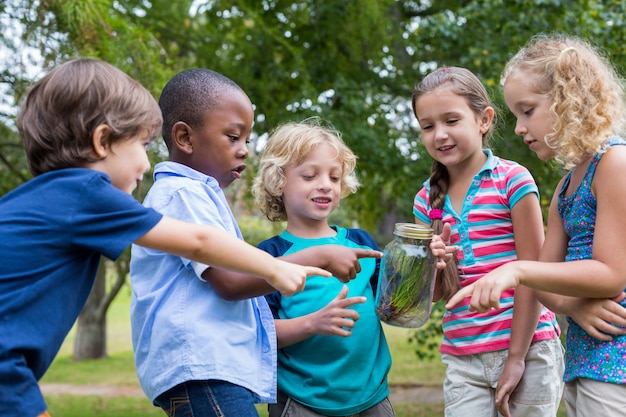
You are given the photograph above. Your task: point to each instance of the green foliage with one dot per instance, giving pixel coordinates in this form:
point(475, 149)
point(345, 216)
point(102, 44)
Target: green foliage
point(428, 337)
point(256, 229)
point(13, 170)
point(354, 63)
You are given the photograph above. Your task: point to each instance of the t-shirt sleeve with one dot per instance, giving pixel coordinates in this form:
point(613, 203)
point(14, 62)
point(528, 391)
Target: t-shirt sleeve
point(191, 204)
point(420, 206)
point(519, 183)
point(108, 220)
point(275, 247)
point(363, 238)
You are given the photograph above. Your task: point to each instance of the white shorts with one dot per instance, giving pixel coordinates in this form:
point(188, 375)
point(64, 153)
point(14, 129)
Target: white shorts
point(587, 397)
point(470, 385)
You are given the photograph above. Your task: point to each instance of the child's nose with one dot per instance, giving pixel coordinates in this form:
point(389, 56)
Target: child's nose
point(243, 151)
point(147, 165)
point(520, 129)
point(441, 132)
point(324, 183)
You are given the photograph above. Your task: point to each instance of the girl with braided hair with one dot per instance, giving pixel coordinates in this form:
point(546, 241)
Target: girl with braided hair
point(496, 361)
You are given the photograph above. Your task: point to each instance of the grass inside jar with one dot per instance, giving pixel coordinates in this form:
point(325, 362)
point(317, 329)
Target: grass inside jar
point(406, 285)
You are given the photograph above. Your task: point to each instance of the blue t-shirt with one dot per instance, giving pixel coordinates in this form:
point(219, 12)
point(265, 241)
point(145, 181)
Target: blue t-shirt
point(53, 230)
point(182, 329)
point(333, 375)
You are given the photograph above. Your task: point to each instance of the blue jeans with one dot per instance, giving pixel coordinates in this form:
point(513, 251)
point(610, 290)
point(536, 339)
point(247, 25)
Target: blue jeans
point(208, 399)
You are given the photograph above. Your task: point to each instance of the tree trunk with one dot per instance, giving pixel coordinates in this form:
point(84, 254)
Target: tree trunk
point(90, 342)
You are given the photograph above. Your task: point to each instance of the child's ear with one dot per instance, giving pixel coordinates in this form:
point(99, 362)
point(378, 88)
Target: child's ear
point(100, 141)
point(181, 137)
point(486, 119)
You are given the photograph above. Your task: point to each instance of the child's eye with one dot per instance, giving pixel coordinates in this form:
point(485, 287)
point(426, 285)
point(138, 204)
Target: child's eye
point(452, 121)
point(427, 127)
point(528, 112)
point(335, 179)
point(234, 138)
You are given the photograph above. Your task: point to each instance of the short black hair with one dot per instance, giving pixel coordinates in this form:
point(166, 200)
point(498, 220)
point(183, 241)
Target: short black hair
point(189, 95)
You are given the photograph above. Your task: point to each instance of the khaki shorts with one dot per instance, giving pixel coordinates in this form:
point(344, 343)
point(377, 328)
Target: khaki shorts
point(586, 397)
point(470, 385)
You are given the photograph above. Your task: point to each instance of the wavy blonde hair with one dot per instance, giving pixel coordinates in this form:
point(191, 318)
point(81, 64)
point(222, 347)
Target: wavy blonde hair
point(586, 92)
point(290, 144)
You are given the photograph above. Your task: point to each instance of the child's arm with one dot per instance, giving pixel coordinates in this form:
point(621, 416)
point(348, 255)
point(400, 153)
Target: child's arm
point(528, 234)
point(217, 247)
point(600, 277)
point(341, 261)
point(599, 317)
point(336, 319)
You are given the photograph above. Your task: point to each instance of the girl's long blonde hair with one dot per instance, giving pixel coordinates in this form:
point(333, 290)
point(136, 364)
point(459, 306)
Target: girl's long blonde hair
point(586, 93)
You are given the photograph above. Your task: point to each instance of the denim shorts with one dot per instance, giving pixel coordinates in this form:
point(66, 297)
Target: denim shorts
point(471, 380)
point(211, 398)
point(287, 407)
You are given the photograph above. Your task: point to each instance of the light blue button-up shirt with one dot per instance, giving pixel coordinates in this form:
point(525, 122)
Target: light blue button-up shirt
point(181, 329)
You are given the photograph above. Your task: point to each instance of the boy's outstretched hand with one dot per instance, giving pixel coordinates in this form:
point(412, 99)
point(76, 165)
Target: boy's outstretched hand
point(343, 261)
point(289, 278)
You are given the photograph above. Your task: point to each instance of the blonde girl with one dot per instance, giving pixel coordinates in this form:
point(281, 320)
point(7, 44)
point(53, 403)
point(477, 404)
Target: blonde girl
point(496, 361)
point(569, 105)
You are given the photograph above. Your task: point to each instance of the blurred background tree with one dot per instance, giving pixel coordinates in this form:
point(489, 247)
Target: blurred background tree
point(352, 62)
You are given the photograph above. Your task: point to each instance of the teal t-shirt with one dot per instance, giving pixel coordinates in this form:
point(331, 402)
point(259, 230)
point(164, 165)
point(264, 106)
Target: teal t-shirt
point(333, 375)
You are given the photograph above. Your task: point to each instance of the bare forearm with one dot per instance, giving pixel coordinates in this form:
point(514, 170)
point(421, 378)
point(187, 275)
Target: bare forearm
point(292, 331)
point(208, 245)
point(314, 256)
point(233, 286)
point(584, 278)
point(526, 312)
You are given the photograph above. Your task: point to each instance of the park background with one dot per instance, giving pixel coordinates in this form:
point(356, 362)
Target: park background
point(352, 62)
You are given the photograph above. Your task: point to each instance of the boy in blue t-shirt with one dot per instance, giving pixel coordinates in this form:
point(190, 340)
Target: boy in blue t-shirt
point(86, 126)
point(333, 358)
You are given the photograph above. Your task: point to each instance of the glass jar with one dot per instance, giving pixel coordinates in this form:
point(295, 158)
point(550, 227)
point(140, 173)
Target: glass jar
point(407, 277)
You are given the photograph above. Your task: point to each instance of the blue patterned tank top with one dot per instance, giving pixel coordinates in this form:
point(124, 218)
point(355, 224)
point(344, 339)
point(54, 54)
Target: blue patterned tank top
point(587, 357)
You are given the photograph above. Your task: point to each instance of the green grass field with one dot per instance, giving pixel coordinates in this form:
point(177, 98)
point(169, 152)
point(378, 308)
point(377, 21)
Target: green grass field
point(118, 369)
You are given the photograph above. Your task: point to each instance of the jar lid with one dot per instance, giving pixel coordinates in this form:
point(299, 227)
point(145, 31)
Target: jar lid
point(412, 230)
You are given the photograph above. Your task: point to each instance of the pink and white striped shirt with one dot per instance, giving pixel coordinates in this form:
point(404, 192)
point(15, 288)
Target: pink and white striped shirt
point(484, 231)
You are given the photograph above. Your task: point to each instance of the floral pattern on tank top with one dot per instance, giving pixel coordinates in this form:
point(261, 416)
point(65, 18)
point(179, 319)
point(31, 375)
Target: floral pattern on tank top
point(587, 357)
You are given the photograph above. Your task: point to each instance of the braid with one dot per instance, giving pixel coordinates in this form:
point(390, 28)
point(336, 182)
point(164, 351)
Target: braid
point(439, 179)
